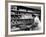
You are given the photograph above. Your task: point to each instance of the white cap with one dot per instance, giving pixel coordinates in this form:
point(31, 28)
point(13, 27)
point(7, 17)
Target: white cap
point(36, 14)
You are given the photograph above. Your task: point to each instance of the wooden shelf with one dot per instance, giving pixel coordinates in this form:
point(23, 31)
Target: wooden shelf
point(33, 12)
point(20, 19)
point(16, 14)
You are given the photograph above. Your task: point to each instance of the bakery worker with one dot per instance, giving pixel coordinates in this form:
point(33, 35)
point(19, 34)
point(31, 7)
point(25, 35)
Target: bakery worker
point(37, 20)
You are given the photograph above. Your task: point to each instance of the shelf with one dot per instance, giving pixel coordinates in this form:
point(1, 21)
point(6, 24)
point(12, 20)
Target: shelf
point(16, 14)
point(17, 24)
point(33, 12)
point(22, 11)
point(22, 19)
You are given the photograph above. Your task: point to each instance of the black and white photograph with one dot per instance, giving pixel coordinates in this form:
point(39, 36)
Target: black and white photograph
point(25, 18)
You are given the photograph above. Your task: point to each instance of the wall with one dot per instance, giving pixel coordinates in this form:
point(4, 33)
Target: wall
point(2, 18)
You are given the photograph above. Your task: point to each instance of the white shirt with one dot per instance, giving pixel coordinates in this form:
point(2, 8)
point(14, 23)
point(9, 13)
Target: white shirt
point(36, 20)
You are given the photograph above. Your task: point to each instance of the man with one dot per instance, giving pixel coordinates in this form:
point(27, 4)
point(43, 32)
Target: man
point(36, 24)
point(37, 21)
